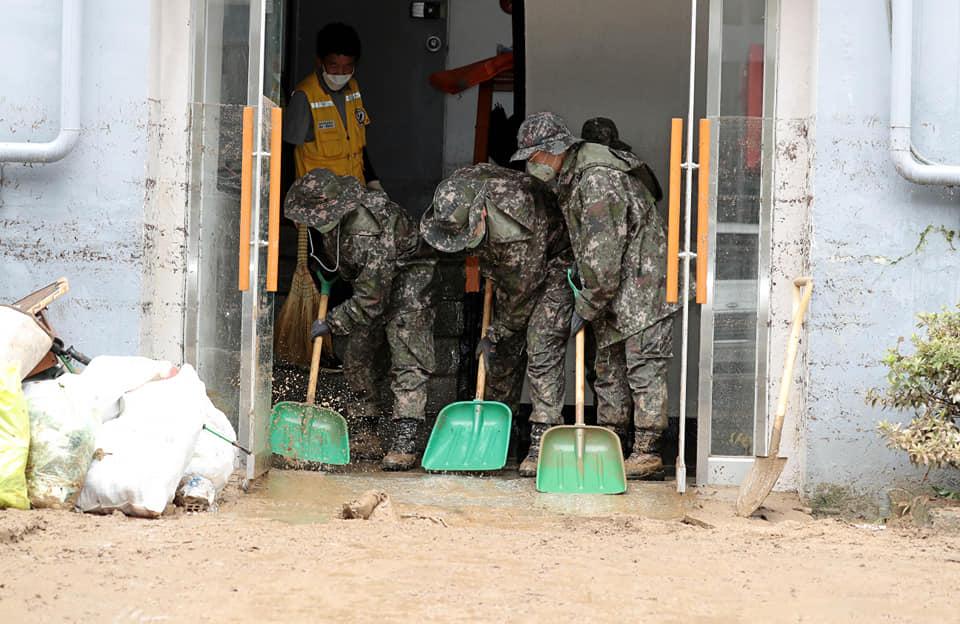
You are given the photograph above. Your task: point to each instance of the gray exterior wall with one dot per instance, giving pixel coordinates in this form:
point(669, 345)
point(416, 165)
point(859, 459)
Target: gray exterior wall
point(81, 217)
point(109, 216)
point(864, 217)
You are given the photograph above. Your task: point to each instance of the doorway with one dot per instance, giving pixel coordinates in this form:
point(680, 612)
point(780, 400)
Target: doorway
point(628, 62)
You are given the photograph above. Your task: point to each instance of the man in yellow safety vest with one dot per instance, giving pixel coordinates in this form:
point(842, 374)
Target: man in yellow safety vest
point(325, 117)
point(327, 122)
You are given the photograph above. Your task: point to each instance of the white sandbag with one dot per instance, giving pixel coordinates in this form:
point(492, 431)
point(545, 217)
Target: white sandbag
point(63, 437)
point(146, 450)
point(210, 467)
point(108, 377)
point(213, 458)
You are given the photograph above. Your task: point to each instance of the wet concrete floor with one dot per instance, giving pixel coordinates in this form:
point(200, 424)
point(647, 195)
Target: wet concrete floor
point(299, 497)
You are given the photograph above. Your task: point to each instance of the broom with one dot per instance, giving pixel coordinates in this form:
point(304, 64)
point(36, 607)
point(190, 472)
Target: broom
point(293, 343)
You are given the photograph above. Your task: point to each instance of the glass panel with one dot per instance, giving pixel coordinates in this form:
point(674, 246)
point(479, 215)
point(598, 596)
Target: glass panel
point(230, 334)
point(214, 313)
point(739, 132)
point(273, 51)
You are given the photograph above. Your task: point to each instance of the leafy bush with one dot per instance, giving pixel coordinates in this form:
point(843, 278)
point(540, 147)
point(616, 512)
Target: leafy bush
point(927, 382)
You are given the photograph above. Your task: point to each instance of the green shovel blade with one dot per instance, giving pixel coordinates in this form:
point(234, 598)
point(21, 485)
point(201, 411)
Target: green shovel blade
point(597, 469)
point(309, 433)
point(469, 436)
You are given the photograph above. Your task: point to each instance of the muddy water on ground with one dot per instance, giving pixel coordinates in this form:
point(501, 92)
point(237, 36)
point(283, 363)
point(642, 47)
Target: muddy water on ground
point(300, 497)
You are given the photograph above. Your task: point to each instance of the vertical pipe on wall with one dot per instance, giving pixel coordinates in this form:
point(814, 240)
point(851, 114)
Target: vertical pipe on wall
point(71, 58)
point(901, 93)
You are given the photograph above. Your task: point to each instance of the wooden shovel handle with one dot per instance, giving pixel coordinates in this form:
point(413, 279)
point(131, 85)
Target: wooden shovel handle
point(581, 376)
point(802, 290)
point(317, 348)
point(484, 324)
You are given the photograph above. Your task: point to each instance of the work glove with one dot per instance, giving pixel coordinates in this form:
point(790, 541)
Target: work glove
point(576, 323)
point(487, 348)
point(319, 328)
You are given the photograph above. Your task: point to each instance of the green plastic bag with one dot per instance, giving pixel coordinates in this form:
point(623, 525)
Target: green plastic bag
point(14, 438)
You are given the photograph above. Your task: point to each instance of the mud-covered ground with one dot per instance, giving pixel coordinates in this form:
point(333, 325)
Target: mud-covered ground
point(472, 549)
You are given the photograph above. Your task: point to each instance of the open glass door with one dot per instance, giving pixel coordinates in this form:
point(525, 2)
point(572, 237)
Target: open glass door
point(234, 211)
point(733, 330)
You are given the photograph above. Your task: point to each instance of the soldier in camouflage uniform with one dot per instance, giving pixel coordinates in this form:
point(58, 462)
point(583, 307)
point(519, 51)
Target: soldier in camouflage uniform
point(620, 248)
point(376, 247)
point(604, 131)
point(512, 223)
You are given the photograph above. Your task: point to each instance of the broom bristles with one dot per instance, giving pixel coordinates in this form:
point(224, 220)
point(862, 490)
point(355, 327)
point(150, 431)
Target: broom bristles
point(293, 343)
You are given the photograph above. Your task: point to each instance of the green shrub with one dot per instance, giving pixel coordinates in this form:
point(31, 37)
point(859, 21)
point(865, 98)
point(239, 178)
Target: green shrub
point(927, 382)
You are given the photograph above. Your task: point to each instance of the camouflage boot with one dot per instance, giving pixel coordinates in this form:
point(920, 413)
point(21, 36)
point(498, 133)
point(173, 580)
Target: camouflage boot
point(644, 462)
point(529, 466)
point(365, 443)
point(403, 451)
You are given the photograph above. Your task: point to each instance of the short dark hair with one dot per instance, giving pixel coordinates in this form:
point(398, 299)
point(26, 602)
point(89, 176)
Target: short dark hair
point(338, 38)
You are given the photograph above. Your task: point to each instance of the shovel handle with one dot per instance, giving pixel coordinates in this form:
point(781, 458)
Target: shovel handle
point(325, 287)
point(580, 375)
point(802, 290)
point(326, 284)
point(228, 440)
point(317, 348)
point(484, 324)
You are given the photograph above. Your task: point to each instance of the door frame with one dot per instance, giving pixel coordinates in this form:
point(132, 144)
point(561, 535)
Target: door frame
point(255, 375)
point(722, 469)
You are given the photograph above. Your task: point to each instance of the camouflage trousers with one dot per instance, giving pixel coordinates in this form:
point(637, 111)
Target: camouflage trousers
point(541, 350)
point(409, 338)
point(632, 379)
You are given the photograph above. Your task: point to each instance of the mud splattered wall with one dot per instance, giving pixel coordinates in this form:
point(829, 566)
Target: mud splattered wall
point(110, 215)
point(864, 217)
point(81, 217)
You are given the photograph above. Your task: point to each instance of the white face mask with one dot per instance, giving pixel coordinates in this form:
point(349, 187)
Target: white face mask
point(542, 171)
point(336, 81)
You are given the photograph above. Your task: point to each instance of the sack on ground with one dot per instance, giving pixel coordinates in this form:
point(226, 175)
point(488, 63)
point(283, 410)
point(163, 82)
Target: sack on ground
point(213, 458)
point(63, 437)
point(108, 377)
point(14, 438)
point(146, 450)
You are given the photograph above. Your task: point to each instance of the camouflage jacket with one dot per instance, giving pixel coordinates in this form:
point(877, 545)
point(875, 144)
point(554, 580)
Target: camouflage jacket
point(381, 255)
point(618, 240)
point(526, 240)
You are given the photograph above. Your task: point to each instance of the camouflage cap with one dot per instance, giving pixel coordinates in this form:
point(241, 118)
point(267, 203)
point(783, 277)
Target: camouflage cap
point(454, 221)
point(604, 131)
point(320, 199)
point(543, 132)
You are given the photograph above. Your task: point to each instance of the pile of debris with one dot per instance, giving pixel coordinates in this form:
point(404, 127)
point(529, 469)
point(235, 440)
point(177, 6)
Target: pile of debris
point(125, 434)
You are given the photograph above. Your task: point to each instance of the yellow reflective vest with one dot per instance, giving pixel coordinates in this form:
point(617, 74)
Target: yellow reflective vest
point(337, 143)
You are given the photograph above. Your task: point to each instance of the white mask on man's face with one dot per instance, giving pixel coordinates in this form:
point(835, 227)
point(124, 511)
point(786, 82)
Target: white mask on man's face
point(336, 81)
point(542, 171)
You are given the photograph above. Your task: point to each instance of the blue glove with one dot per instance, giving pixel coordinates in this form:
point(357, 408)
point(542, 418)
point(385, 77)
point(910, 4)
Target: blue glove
point(576, 323)
point(319, 328)
point(486, 348)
